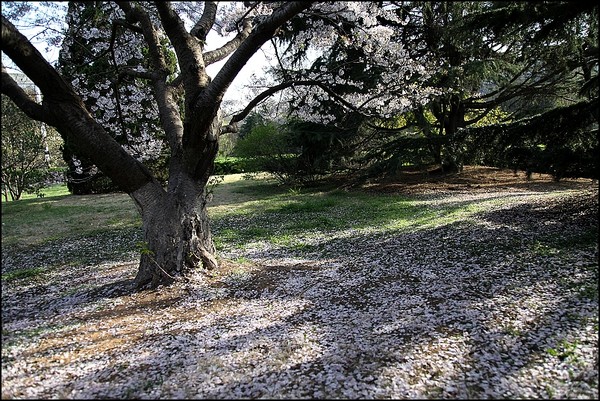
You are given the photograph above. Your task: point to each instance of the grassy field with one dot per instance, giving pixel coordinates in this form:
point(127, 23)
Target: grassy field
point(242, 211)
point(449, 292)
point(59, 215)
point(52, 191)
point(58, 228)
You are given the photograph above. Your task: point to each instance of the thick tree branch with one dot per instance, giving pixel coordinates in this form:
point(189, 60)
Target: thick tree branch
point(176, 82)
point(201, 138)
point(21, 98)
point(187, 48)
point(232, 126)
point(136, 14)
point(259, 35)
point(221, 53)
point(205, 23)
point(169, 114)
point(18, 48)
point(65, 110)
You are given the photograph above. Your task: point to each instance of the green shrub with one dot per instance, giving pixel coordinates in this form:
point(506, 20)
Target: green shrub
point(267, 148)
point(235, 165)
point(297, 152)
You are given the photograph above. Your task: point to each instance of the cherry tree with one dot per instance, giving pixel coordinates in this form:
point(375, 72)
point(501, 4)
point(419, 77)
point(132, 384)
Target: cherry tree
point(139, 40)
point(94, 55)
point(343, 59)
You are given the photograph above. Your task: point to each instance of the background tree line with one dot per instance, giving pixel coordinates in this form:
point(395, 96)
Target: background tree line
point(498, 64)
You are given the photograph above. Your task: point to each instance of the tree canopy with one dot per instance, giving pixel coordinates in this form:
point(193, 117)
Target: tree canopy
point(480, 63)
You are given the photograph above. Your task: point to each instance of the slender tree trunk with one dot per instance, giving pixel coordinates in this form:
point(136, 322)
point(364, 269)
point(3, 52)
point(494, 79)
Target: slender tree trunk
point(435, 148)
point(451, 118)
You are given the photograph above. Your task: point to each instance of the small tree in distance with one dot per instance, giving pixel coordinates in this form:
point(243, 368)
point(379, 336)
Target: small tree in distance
point(23, 165)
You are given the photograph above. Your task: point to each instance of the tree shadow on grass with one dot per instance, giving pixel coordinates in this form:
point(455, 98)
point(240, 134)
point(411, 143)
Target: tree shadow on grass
point(488, 300)
point(388, 336)
point(460, 311)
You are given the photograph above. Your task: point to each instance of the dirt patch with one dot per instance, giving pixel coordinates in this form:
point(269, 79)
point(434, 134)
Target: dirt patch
point(472, 178)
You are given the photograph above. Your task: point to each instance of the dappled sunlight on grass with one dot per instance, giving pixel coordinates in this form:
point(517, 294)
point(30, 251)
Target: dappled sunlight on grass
point(321, 294)
point(36, 221)
point(296, 221)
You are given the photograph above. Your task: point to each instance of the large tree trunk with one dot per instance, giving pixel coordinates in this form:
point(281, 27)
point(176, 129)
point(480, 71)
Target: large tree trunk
point(175, 221)
point(177, 236)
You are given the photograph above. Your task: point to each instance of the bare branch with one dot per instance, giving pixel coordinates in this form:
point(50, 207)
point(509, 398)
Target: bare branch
point(202, 27)
point(514, 89)
point(130, 72)
point(125, 24)
point(219, 54)
point(284, 70)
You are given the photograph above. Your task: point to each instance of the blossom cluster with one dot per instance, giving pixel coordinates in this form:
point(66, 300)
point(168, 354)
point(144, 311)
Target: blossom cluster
point(353, 49)
point(92, 58)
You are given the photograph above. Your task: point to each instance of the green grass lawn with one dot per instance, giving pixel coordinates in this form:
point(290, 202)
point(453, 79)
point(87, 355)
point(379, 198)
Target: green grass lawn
point(59, 215)
point(52, 191)
point(243, 212)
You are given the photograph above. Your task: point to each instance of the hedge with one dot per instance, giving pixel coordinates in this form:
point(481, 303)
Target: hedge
point(235, 165)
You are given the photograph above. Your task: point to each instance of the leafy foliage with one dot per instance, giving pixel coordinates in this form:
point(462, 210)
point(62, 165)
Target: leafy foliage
point(24, 168)
point(235, 165)
point(562, 142)
point(269, 146)
point(298, 151)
